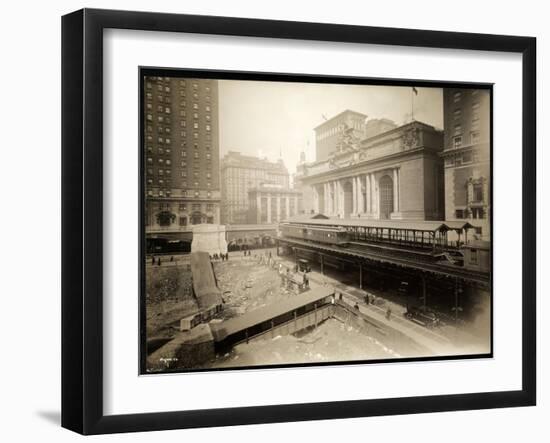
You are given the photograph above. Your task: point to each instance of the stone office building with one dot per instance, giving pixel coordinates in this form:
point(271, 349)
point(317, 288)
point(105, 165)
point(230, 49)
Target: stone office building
point(328, 133)
point(241, 173)
point(395, 174)
point(181, 158)
point(272, 203)
point(466, 157)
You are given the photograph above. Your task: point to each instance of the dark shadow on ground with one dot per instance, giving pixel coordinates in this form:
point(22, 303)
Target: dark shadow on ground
point(54, 417)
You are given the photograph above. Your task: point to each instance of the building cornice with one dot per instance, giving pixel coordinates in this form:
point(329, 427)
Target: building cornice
point(453, 151)
point(372, 163)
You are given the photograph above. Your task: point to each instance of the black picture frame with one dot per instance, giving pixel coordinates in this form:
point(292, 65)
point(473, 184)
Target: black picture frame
point(82, 220)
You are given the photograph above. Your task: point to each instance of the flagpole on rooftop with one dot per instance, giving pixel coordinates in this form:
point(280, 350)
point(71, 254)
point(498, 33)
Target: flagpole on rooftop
point(414, 92)
point(412, 104)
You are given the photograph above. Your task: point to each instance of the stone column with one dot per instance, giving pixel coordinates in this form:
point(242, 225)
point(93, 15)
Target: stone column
point(354, 195)
point(327, 196)
point(296, 210)
point(399, 189)
point(395, 191)
point(330, 199)
point(336, 197)
point(374, 196)
point(368, 192)
point(269, 208)
point(325, 189)
point(315, 198)
point(258, 208)
point(278, 207)
point(361, 202)
point(340, 199)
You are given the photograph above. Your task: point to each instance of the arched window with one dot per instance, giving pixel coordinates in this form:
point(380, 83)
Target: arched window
point(386, 196)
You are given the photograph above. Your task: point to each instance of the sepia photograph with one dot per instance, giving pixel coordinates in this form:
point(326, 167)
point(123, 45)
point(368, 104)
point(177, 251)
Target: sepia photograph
point(301, 221)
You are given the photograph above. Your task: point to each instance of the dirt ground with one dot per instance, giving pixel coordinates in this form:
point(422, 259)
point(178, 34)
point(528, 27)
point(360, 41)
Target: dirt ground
point(247, 285)
point(473, 332)
point(169, 299)
point(331, 341)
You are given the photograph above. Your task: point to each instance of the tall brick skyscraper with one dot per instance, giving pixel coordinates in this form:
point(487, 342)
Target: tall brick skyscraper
point(467, 157)
point(181, 144)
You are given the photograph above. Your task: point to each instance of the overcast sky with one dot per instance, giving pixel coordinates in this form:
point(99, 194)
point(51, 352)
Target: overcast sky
point(270, 119)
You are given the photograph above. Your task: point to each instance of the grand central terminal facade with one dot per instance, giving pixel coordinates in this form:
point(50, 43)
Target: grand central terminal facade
point(395, 175)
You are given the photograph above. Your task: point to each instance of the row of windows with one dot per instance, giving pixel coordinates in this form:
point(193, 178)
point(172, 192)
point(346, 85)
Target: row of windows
point(196, 165)
point(161, 161)
point(161, 150)
point(458, 128)
point(196, 155)
point(183, 124)
point(168, 172)
point(457, 115)
point(207, 136)
point(160, 140)
point(186, 193)
point(207, 98)
point(196, 125)
point(474, 138)
point(160, 172)
point(207, 116)
point(183, 207)
point(160, 119)
point(160, 129)
point(196, 174)
point(168, 100)
point(160, 182)
point(195, 146)
point(476, 213)
point(457, 95)
point(196, 184)
point(161, 193)
point(464, 159)
point(168, 182)
point(182, 83)
point(160, 98)
point(160, 108)
point(160, 87)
